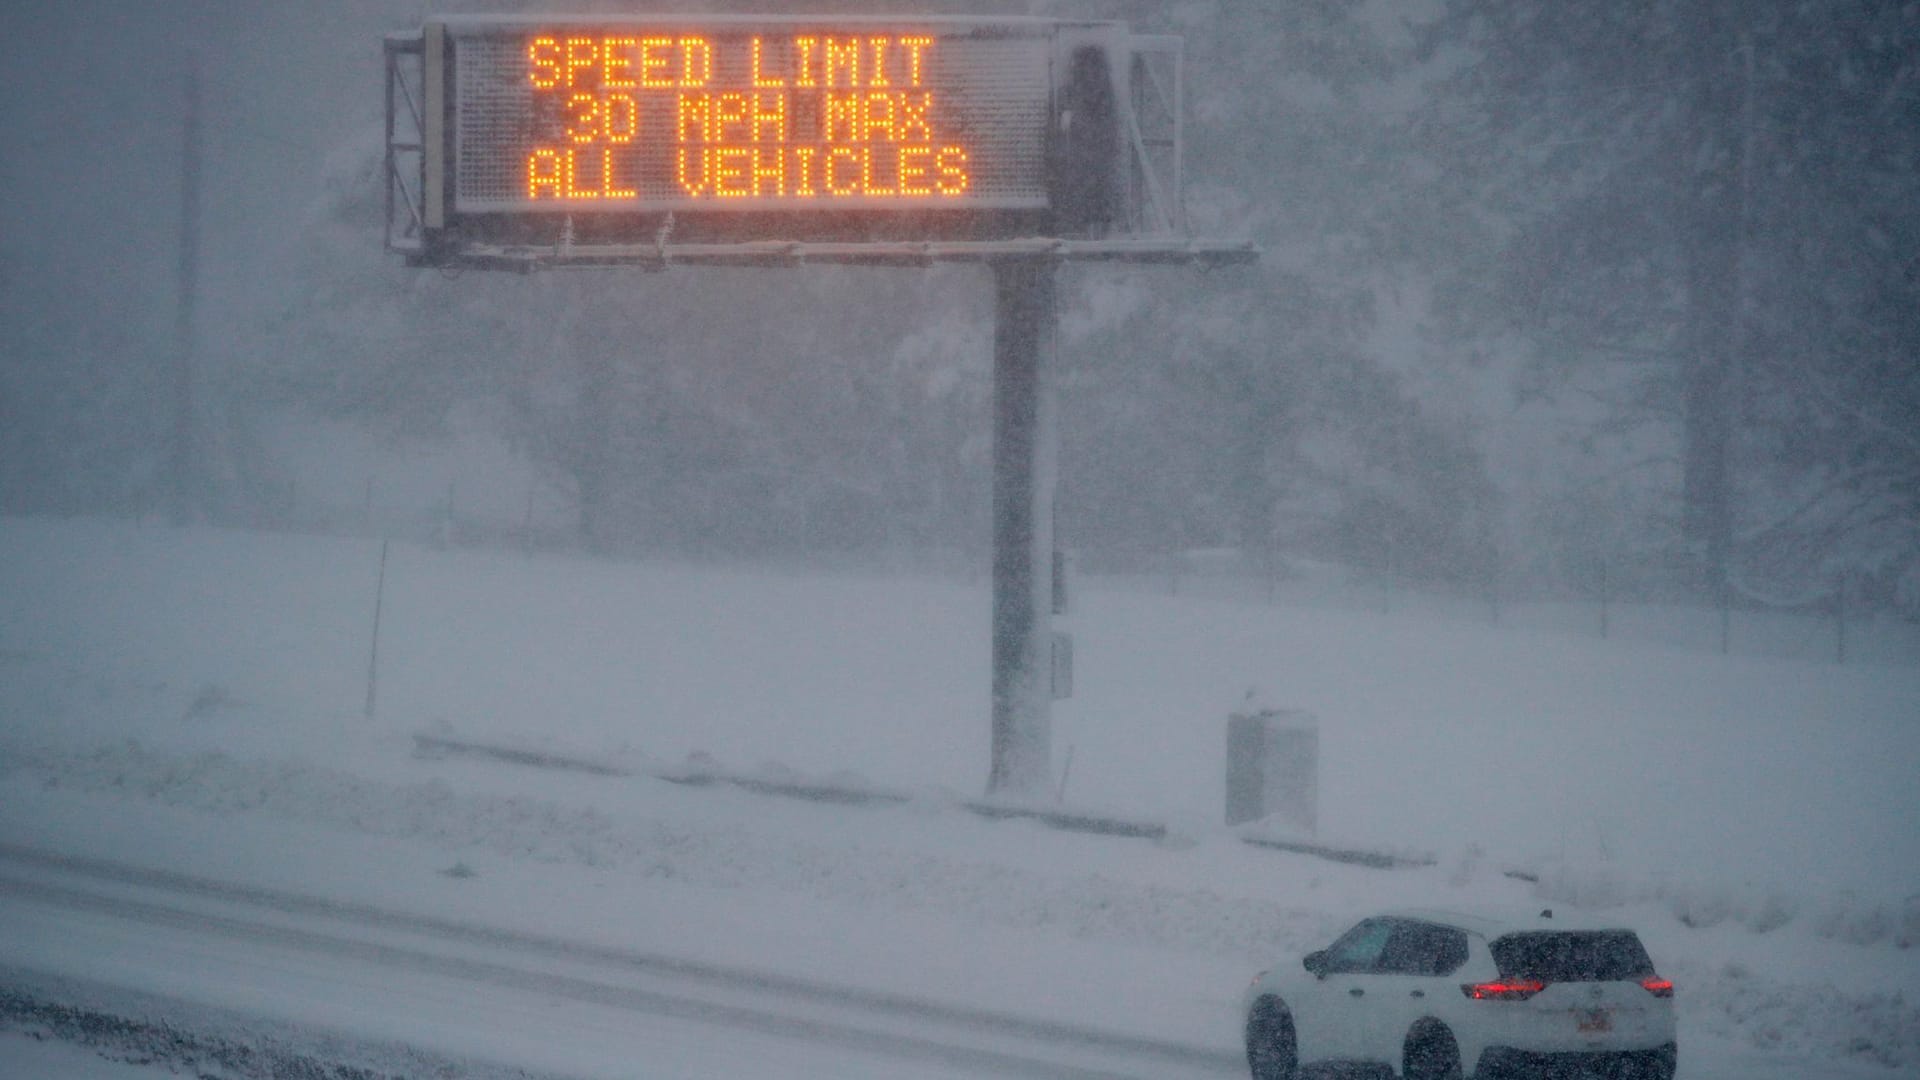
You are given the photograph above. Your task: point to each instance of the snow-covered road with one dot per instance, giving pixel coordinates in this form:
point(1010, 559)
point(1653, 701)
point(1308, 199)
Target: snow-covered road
point(387, 990)
point(475, 994)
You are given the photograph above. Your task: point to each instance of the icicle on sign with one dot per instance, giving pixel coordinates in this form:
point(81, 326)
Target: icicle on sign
point(632, 118)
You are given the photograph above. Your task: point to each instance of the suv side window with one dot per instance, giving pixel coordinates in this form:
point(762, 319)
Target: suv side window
point(1360, 948)
point(1418, 948)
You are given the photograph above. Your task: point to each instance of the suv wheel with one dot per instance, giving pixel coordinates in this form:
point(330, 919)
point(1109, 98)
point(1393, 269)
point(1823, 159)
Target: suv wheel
point(1270, 1046)
point(1432, 1053)
point(1659, 1064)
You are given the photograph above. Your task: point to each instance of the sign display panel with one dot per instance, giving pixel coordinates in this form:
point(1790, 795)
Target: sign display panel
point(649, 116)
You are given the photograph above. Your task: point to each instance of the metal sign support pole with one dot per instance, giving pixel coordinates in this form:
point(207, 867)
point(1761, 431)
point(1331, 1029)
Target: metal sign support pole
point(1025, 450)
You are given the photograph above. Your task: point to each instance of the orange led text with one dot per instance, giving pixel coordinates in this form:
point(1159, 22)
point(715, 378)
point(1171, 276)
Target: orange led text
point(805, 116)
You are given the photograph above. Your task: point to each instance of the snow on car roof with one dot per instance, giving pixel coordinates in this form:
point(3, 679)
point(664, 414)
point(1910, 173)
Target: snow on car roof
point(1495, 922)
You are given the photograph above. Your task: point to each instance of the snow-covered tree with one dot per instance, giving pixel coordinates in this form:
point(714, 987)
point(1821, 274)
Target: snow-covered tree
point(1701, 210)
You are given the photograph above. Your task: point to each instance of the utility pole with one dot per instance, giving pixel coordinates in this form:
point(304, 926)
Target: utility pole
point(1025, 451)
point(1742, 334)
point(1713, 247)
point(183, 471)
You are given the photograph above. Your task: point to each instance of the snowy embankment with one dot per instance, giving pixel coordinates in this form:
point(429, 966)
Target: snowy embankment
point(195, 700)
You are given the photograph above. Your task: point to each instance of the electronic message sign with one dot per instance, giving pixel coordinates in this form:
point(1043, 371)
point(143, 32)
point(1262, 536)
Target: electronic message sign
point(572, 115)
point(582, 139)
point(647, 118)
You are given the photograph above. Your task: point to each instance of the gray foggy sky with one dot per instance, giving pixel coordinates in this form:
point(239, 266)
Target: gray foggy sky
point(91, 101)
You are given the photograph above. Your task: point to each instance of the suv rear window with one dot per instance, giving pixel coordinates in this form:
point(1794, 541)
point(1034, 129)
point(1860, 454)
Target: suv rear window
point(1572, 956)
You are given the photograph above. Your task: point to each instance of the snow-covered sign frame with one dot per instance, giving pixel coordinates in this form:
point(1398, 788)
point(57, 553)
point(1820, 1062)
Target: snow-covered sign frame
point(518, 143)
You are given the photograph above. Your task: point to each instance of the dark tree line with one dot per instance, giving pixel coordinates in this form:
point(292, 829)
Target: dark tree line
point(1714, 204)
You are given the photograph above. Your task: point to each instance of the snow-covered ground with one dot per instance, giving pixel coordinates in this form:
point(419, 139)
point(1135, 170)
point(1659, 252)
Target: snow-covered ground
point(194, 700)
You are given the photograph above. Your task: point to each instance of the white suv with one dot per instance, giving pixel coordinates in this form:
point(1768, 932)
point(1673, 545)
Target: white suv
point(1436, 996)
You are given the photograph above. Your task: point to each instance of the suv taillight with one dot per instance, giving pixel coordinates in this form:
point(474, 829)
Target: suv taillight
point(1505, 990)
point(1657, 986)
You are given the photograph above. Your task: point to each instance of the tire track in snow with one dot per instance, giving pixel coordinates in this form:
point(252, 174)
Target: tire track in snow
point(996, 1044)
